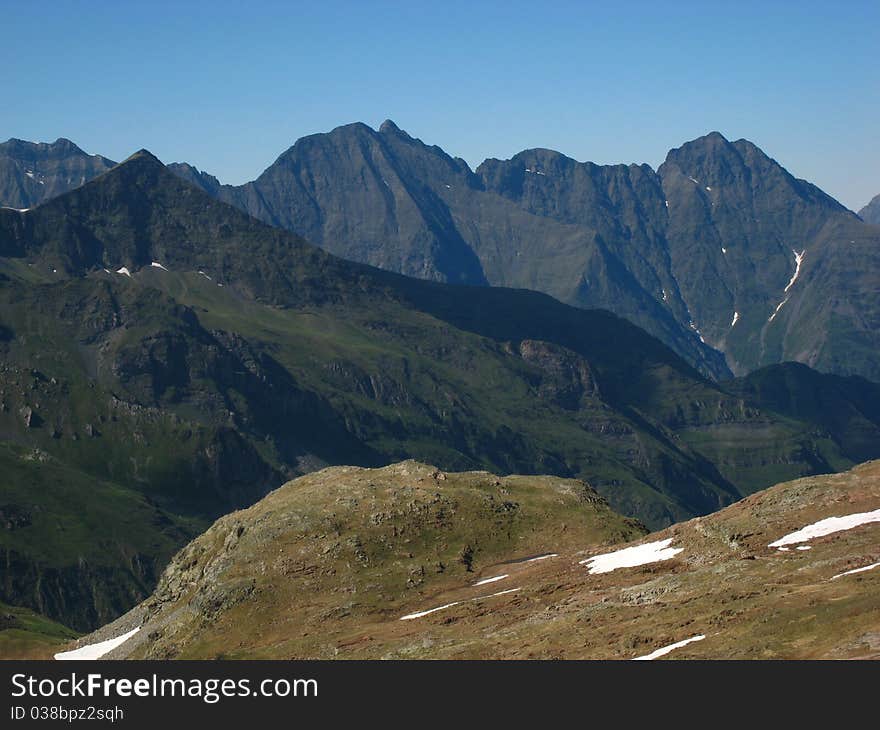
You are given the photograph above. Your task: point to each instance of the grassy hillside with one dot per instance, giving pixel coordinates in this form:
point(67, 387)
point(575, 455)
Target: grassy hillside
point(346, 563)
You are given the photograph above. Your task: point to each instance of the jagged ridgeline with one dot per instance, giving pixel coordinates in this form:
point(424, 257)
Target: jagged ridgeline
point(720, 253)
point(171, 356)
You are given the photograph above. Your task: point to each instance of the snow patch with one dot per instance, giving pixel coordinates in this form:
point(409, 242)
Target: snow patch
point(708, 188)
point(827, 527)
point(651, 552)
point(206, 276)
point(856, 570)
point(666, 649)
point(735, 318)
point(490, 580)
point(665, 298)
point(804, 547)
point(723, 250)
point(157, 265)
point(124, 271)
point(696, 329)
point(96, 651)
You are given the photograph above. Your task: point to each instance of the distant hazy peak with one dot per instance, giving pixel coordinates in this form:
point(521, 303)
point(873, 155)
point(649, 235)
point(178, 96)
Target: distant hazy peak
point(871, 212)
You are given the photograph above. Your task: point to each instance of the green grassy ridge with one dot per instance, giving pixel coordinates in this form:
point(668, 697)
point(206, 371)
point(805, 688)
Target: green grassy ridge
point(25, 634)
point(348, 544)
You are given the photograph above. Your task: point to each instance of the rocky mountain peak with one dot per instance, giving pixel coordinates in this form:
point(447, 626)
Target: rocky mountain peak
point(144, 156)
point(389, 127)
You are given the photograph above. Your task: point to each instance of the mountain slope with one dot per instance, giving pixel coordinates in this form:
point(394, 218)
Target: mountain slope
point(418, 564)
point(720, 250)
point(871, 212)
point(31, 173)
point(27, 635)
point(162, 341)
point(771, 267)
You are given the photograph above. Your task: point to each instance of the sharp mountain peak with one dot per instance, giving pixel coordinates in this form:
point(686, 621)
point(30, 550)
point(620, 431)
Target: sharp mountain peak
point(143, 155)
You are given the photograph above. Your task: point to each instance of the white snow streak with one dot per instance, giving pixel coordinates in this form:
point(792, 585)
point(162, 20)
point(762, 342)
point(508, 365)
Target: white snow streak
point(541, 557)
point(798, 259)
point(157, 265)
point(630, 557)
point(96, 651)
point(124, 271)
point(664, 295)
point(735, 318)
point(411, 616)
point(666, 649)
point(804, 547)
point(827, 527)
point(776, 311)
point(500, 593)
point(490, 580)
point(206, 276)
point(856, 570)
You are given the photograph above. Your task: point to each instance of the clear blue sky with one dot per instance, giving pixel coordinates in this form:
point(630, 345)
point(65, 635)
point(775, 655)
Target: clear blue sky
point(228, 86)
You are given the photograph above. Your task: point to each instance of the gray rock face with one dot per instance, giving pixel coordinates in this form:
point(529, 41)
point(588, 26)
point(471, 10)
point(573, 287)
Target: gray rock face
point(701, 253)
point(31, 173)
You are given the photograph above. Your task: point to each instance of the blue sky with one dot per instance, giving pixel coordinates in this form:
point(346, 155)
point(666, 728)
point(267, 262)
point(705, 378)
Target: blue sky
point(228, 86)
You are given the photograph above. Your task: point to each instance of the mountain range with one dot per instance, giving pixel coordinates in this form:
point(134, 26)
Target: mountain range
point(167, 358)
point(720, 253)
